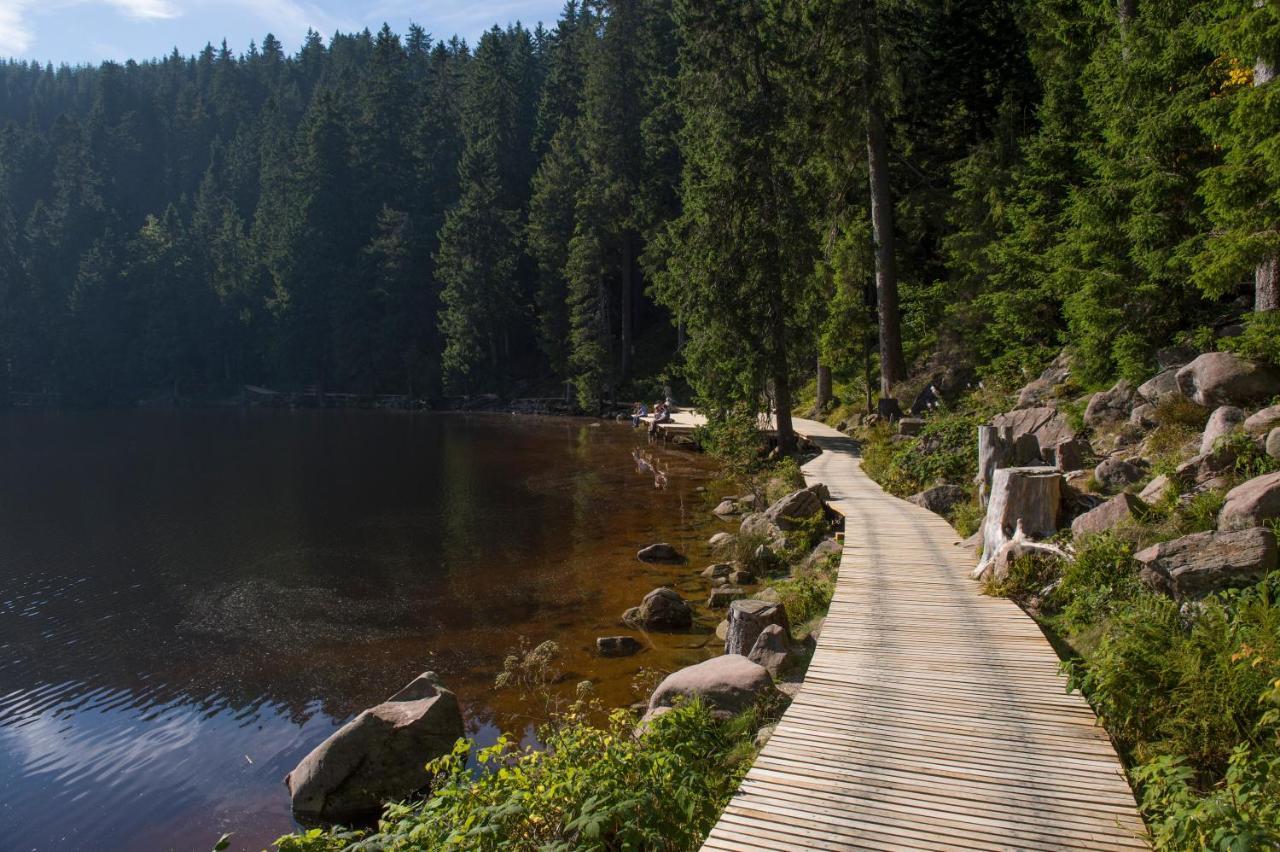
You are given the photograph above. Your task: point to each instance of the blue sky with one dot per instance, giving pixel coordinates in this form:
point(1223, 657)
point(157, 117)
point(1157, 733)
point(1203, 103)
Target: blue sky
point(90, 31)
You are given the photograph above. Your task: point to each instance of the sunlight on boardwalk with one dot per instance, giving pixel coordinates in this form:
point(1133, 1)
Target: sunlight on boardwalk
point(932, 716)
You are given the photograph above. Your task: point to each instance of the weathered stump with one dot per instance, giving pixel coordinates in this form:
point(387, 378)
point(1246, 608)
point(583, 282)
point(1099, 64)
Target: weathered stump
point(995, 451)
point(1025, 501)
point(747, 620)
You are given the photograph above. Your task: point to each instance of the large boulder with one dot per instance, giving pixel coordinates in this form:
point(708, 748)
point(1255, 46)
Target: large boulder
point(759, 524)
point(1044, 388)
point(1261, 422)
point(747, 619)
point(661, 552)
point(1120, 508)
point(1273, 443)
point(1197, 564)
point(1048, 424)
point(1220, 378)
point(378, 756)
point(1251, 503)
point(661, 609)
point(941, 498)
point(1161, 387)
point(1114, 473)
point(729, 685)
point(795, 508)
point(1110, 406)
point(1222, 422)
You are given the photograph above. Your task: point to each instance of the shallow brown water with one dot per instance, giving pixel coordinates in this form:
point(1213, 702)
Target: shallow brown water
point(191, 600)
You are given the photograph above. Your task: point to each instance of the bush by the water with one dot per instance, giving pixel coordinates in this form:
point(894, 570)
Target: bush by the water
point(591, 787)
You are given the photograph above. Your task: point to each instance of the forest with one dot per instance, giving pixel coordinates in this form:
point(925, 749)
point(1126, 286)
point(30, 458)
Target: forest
point(737, 195)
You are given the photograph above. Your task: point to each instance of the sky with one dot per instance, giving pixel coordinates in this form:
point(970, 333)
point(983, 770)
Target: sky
point(91, 31)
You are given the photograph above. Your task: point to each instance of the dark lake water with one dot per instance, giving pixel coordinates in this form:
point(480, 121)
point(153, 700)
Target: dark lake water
point(192, 600)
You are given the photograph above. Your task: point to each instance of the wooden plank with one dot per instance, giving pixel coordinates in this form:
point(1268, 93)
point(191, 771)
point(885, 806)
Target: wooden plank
point(931, 716)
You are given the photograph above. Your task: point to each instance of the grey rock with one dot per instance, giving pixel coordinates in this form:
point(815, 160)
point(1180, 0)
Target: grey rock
point(720, 539)
point(941, 498)
point(1197, 564)
point(790, 511)
point(1222, 422)
point(772, 649)
point(661, 609)
point(1114, 473)
point(722, 596)
point(1044, 388)
point(725, 508)
point(722, 629)
point(759, 524)
point(1251, 503)
point(768, 594)
point(1273, 443)
point(747, 618)
point(821, 552)
point(1048, 425)
point(1261, 422)
point(1143, 416)
point(1155, 489)
point(1120, 508)
point(378, 756)
point(764, 734)
point(1174, 356)
point(1221, 378)
point(1110, 406)
point(1162, 386)
point(661, 552)
point(743, 577)
point(1068, 455)
point(618, 646)
point(910, 426)
point(730, 685)
point(1205, 468)
point(720, 569)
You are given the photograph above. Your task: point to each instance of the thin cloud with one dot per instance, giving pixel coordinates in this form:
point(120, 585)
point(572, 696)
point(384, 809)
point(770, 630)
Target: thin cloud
point(15, 34)
point(146, 10)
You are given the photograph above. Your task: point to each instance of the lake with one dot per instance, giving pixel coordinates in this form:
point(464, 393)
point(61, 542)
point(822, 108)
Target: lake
point(191, 600)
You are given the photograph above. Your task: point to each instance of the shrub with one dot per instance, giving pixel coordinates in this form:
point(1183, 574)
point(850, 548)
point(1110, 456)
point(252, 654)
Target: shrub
point(591, 788)
point(1028, 575)
point(946, 450)
point(1260, 340)
point(807, 594)
point(1100, 578)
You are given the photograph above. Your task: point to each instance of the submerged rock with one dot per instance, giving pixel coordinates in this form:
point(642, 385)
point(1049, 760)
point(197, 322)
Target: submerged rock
point(661, 609)
point(378, 756)
point(618, 646)
point(661, 552)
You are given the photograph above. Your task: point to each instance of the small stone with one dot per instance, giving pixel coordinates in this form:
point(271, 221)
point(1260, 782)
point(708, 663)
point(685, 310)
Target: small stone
point(763, 735)
point(720, 539)
point(1261, 422)
point(617, 646)
point(772, 649)
point(941, 498)
point(1110, 406)
point(726, 508)
point(743, 577)
point(1154, 491)
point(720, 569)
point(729, 684)
point(1163, 386)
point(722, 629)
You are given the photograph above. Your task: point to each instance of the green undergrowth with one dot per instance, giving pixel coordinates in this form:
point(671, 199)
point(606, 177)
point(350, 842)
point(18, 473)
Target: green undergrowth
point(591, 787)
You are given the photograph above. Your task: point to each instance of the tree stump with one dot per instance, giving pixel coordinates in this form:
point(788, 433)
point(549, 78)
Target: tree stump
point(748, 619)
point(995, 451)
point(1025, 501)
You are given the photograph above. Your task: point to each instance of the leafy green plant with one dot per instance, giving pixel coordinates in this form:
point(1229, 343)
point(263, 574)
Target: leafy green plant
point(1028, 575)
point(807, 594)
point(1260, 340)
point(1100, 578)
point(593, 787)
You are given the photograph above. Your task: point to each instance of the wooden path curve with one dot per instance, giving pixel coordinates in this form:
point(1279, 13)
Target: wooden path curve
point(932, 716)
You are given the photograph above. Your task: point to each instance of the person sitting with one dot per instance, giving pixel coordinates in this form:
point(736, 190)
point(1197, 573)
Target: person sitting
point(659, 416)
point(638, 411)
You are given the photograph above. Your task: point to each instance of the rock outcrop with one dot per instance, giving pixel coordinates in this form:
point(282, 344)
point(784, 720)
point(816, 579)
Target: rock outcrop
point(747, 618)
point(661, 609)
point(1251, 503)
point(1221, 378)
point(1222, 422)
point(378, 756)
point(1197, 564)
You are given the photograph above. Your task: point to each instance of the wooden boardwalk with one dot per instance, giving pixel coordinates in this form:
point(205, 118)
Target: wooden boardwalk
point(932, 716)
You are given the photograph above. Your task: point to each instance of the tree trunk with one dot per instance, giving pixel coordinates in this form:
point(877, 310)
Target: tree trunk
point(1266, 277)
point(824, 388)
point(782, 415)
point(892, 367)
point(1126, 11)
point(626, 304)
